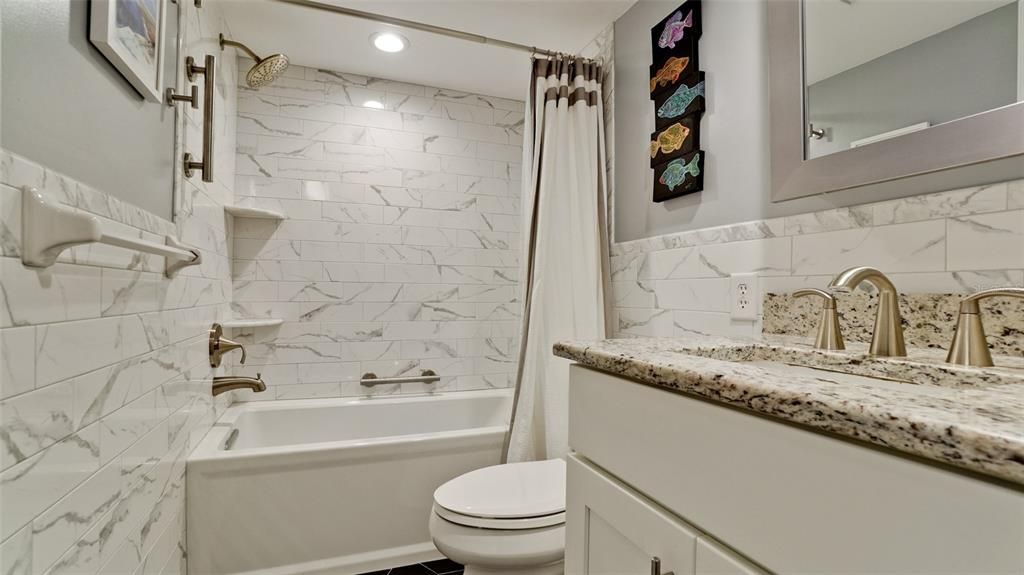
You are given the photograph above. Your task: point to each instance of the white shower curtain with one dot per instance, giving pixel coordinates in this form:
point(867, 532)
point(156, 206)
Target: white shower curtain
point(564, 247)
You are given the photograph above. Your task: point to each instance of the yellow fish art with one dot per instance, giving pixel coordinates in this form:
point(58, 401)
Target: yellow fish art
point(670, 140)
point(670, 72)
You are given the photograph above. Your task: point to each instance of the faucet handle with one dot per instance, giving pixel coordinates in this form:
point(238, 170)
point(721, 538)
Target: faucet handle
point(219, 345)
point(970, 347)
point(829, 334)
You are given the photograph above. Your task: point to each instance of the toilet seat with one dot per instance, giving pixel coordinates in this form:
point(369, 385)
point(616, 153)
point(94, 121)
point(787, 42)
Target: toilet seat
point(512, 496)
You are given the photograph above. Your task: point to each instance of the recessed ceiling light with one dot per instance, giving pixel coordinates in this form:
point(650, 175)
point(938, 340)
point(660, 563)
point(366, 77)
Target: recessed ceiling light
point(389, 41)
point(373, 104)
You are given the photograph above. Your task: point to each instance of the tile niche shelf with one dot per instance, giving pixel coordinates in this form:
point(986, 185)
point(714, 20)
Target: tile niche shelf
point(256, 213)
point(243, 323)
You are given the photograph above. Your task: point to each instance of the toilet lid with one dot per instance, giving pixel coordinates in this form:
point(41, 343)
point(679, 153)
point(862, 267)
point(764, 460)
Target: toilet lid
point(509, 491)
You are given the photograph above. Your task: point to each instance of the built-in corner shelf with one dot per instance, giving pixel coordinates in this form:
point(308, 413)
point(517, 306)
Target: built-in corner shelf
point(257, 213)
point(263, 322)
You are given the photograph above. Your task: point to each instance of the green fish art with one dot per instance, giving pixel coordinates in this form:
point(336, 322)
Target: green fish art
point(677, 171)
point(678, 102)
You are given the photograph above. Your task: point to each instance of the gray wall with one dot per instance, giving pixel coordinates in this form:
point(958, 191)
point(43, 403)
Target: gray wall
point(962, 71)
point(734, 131)
point(65, 106)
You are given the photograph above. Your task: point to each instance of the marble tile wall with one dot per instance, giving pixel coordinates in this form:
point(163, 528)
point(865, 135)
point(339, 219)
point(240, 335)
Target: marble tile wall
point(401, 251)
point(956, 241)
point(104, 377)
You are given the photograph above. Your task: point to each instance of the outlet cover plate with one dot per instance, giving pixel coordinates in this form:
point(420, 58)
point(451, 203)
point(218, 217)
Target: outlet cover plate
point(744, 296)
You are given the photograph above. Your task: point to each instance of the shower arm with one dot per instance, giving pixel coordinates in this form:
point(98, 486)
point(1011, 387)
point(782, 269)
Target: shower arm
point(225, 42)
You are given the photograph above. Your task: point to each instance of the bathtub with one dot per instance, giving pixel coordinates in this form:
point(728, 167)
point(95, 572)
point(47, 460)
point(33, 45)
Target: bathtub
point(334, 486)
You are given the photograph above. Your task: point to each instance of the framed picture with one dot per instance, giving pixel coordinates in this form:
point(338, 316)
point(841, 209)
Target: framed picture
point(130, 33)
point(686, 99)
point(676, 140)
point(674, 69)
point(677, 34)
point(678, 177)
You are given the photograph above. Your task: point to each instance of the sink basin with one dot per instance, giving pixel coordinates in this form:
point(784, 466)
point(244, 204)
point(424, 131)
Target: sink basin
point(833, 377)
point(924, 368)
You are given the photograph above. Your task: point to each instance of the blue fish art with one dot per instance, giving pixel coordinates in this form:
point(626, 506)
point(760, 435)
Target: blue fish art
point(677, 171)
point(677, 103)
point(675, 29)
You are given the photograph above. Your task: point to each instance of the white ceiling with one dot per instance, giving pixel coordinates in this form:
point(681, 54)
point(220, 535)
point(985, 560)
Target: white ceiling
point(839, 35)
point(324, 40)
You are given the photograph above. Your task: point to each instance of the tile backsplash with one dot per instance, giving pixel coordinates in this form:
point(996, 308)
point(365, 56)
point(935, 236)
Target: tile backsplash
point(956, 241)
point(104, 376)
point(401, 248)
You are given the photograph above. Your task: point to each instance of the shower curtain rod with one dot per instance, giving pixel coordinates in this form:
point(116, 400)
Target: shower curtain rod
point(452, 33)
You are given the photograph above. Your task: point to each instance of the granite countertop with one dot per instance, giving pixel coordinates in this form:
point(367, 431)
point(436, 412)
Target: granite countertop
point(968, 417)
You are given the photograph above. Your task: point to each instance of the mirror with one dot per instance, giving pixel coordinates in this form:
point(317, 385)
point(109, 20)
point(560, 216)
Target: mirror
point(879, 69)
point(894, 97)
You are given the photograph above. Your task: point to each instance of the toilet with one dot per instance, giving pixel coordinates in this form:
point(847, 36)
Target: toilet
point(503, 519)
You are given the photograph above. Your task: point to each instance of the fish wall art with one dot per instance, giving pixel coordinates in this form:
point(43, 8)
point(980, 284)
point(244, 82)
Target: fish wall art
point(668, 75)
point(678, 177)
point(678, 139)
point(679, 90)
point(687, 99)
point(677, 33)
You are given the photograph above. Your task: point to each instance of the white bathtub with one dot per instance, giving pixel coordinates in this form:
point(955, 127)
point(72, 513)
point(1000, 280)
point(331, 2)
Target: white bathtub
point(333, 486)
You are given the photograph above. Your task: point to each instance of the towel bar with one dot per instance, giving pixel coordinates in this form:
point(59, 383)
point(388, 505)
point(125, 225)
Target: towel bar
point(49, 228)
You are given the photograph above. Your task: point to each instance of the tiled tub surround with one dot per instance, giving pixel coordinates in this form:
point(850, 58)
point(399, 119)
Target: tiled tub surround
point(976, 427)
point(957, 241)
point(104, 377)
point(401, 248)
point(929, 320)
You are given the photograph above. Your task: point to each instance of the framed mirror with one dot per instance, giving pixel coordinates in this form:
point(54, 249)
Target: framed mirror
point(871, 91)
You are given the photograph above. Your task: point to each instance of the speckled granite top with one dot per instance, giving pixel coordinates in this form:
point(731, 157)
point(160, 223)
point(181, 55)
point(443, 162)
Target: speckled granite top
point(967, 417)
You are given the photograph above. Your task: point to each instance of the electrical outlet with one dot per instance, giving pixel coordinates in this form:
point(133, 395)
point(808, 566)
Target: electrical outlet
point(745, 296)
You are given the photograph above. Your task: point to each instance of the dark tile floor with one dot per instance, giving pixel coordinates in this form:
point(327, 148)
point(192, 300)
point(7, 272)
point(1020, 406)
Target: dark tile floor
point(439, 567)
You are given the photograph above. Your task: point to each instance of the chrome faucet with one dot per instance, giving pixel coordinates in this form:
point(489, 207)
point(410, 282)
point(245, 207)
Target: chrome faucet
point(969, 345)
point(219, 346)
point(887, 338)
point(227, 383)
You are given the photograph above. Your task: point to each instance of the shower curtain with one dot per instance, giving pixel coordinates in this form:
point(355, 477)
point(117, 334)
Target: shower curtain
point(565, 272)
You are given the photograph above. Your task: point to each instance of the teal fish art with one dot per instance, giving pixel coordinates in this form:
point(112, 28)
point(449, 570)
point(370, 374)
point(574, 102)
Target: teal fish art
point(677, 171)
point(678, 102)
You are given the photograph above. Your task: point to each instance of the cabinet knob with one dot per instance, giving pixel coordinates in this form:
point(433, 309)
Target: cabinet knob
point(656, 567)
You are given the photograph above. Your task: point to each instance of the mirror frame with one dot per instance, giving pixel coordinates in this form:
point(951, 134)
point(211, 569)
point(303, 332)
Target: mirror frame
point(988, 136)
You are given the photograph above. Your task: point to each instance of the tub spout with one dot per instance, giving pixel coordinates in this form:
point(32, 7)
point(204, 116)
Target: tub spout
point(230, 382)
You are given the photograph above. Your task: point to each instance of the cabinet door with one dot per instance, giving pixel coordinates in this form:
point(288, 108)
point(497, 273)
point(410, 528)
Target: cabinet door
point(714, 560)
point(612, 530)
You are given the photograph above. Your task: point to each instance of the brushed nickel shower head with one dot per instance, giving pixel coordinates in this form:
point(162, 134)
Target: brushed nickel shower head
point(265, 70)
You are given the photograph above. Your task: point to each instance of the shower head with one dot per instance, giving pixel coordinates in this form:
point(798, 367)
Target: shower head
point(265, 70)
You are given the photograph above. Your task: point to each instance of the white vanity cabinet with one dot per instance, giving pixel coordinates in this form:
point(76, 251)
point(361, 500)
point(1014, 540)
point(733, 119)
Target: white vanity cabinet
point(710, 489)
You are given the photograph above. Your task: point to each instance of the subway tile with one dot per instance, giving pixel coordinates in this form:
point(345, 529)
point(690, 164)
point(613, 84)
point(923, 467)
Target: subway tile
point(987, 241)
point(61, 292)
point(913, 247)
point(17, 361)
point(981, 199)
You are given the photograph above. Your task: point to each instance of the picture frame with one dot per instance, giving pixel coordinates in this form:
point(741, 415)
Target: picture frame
point(130, 34)
point(677, 35)
point(678, 139)
point(686, 98)
point(679, 177)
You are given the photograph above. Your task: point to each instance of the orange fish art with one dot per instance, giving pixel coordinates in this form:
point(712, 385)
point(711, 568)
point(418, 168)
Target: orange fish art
point(670, 140)
point(670, 72)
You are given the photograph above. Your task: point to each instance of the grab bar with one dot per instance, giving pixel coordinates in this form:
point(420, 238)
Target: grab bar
point(370, 379)
point(209, 87)
point(49, 228)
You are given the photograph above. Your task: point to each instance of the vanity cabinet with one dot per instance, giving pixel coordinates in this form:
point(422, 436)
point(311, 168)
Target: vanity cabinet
point(711, 489)
point(615, 531)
